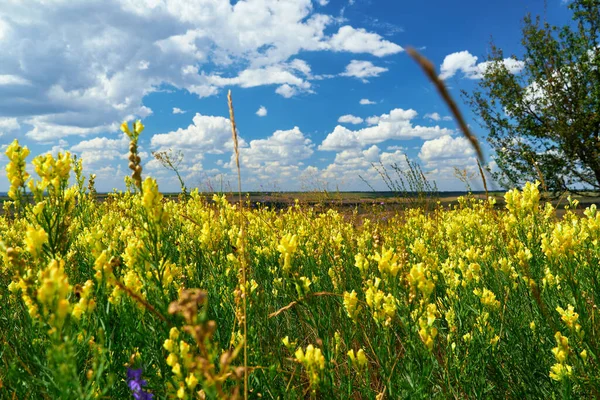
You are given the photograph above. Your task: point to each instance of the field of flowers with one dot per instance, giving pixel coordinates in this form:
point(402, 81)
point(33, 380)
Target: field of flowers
point(138, 297)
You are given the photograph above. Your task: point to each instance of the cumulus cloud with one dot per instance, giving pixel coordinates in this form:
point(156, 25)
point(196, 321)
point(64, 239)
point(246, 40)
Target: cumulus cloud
point(360, 41)
point(281, 74)
point(206, 134)
point(396, 125)
point(262, 111)
point(101, 149)
point(283, 147)
point(445, 150)
point(351, 164)
point(8, 125)
point(365, 102)
point(465, 62)
point(177, 110)
point(362, 70)
point(350, 119)
point(437, 117)
point(286, 91)
point(433, 116)
point(278, 159)
point(71, 81)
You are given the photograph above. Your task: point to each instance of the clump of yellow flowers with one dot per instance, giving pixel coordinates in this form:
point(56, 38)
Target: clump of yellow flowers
point(561, 370)
point(412, 306)
point(313, 361)
point(15, 170)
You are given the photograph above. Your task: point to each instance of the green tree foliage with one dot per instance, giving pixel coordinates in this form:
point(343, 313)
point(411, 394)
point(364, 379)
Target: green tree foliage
point(544, 122)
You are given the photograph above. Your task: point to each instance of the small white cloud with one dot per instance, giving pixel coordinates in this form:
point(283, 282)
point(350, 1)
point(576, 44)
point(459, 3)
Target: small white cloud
point(286, 91)
point(323, 2)
point(8, 125)
point(13, 80)
point(433, 116)
point(177, 110)
point(362, 70)
point(350, 119)
point(360, 41)
point(143, 65)
point(394, 148)
point(365, 102)
point(262, 111)
point(395, 125)
point(467, 63)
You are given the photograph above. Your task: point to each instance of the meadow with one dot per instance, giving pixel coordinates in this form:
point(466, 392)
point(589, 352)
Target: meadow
point(144, 297)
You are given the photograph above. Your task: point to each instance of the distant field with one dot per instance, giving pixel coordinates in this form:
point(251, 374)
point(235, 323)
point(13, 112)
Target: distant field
point(363, 202)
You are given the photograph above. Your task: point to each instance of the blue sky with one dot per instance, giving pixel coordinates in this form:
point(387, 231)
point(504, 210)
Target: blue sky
point(321, 89)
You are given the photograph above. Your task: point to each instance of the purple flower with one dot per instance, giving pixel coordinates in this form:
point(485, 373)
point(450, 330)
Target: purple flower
point(136, 383)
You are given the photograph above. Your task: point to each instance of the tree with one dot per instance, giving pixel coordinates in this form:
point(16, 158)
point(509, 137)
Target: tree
point(544, 122)
point(172, 160)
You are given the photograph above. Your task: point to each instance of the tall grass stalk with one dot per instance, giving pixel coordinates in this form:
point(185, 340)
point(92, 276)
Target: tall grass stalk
point(236, 150)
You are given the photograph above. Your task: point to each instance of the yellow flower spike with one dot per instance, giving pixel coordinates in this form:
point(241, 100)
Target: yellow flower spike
point(361, 358)
point(125, 128)
point(184, 348)
point(191, 381)
point(35, 239)
point(569, 317)
point(559, 372)
point(299, 354)
point(181, 392)
point(351, 305)
point(176, 369)
point(172, 360)
point(561, 351)
point(351, 355)
point(138, 127)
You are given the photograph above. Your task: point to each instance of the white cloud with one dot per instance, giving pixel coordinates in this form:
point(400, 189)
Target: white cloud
point(13, 80)
point(447, 150)
point(277, 159)
point(207, 134)
point(466, 63)
point(8, 125)
point(98, 150)
point(323, 2)
point(262, 111)
point(373, 120)
point(437, 117)
point(362, 70)
point(360, 41)
point(365, 102)
point(395, 125)
point(286, 91)
point(350, 119)
point(284, 147)
point(73, 82)
point(3, 29)
point(271, 75)
point(177, 110)
point(433, 116)
point(351, 164)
